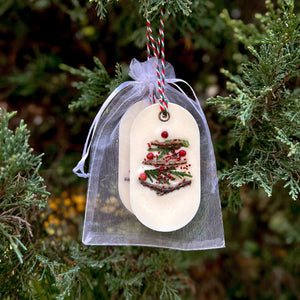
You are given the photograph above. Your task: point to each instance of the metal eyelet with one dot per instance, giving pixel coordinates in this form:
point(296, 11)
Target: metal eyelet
point(163, 117)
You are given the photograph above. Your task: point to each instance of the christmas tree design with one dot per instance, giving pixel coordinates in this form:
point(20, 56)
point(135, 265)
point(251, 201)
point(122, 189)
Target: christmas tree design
point(167, 166)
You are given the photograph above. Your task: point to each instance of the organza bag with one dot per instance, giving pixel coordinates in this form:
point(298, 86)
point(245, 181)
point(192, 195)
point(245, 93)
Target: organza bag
point(107, 220)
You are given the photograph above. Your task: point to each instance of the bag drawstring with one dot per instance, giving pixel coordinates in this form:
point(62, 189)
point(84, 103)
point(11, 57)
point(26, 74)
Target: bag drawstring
point(79, 169)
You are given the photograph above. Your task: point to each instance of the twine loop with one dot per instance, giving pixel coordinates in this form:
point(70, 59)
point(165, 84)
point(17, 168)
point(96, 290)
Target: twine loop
point(158, 51)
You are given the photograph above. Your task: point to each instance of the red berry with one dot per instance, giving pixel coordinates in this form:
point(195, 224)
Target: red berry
point(150, 155)
point(143, 177)
point(164, 134)
point(182, 153)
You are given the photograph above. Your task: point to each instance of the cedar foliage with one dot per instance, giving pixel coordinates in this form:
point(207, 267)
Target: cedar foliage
point(264, 102)
point(37, 264)
point(22, 190)
point(150, 8)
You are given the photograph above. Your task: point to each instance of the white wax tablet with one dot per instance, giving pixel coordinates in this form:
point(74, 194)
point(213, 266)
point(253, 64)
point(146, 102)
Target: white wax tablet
point(124, 141)
point(172, 210)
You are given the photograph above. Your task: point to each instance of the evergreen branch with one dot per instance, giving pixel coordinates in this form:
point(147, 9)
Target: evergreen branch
point(94, 88)
point(164, 175)
point(22, 189)
point(149, 8)
point(153, 175)
point(163, 151)
point(96, 84)
point(262, 100)
point(293, 146)
point(180, 174)
point(270, 97)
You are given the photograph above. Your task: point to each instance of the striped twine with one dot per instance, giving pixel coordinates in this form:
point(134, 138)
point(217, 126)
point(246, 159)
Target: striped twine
point(150, 40)
point(151, 97)
point(161, 44)
point(158, 51)
point(148, 44)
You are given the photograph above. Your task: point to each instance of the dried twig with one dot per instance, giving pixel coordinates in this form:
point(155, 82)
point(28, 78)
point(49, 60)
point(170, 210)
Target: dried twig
point(165, 190)
point(173, 144)
point(164, 163)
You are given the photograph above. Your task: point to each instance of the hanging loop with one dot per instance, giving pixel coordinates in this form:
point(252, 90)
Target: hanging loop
point(158, 50)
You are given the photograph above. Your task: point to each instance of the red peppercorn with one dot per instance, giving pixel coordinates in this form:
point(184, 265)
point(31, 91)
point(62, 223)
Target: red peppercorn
point(143, 177)
point(150, 155)
point(182, 153)
point(164, 134)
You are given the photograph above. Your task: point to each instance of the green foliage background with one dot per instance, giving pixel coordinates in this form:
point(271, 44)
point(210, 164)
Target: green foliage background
point(60, 59)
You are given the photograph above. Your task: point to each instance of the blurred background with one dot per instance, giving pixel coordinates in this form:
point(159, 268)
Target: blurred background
point(37, 38)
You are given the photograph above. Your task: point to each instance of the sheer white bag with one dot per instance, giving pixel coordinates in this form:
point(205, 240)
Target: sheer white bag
point(107, 221)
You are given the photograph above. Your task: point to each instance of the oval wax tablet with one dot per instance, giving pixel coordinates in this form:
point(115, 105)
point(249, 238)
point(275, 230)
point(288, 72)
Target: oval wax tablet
point(124, 141)
point(168, 197)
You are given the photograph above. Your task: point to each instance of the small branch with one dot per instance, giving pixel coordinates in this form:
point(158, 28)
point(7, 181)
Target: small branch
point(165, 190)
point(69, 261)
point(15, 220)
point(269, 98)
point(284, 81)
point(164, 163)
point(173, 144)
point(24, 259)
